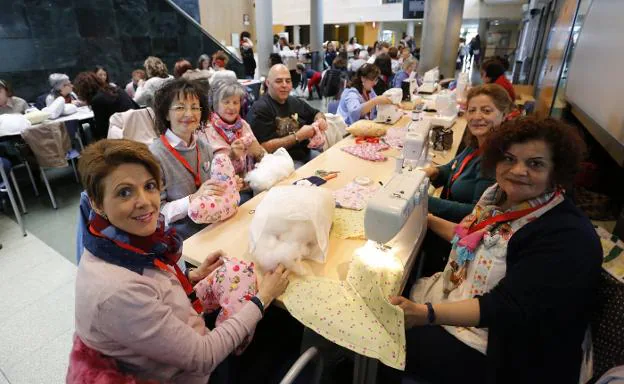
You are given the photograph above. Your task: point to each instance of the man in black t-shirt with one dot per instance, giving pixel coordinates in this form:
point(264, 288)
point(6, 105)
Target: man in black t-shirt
point(280, 120)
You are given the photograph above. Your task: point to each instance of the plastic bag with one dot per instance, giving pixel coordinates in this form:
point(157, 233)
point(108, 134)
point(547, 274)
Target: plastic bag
point(273, 168)
point(291, 223)
point(13, 124)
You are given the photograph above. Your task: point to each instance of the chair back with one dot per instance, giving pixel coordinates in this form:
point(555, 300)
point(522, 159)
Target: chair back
point(84, 210)
point(50, 144)
point(332, 106)
point(40, 101)
point(133, 124)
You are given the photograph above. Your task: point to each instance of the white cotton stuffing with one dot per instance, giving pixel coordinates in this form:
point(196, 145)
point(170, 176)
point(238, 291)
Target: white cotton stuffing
point(272, 169)
point(287, 243)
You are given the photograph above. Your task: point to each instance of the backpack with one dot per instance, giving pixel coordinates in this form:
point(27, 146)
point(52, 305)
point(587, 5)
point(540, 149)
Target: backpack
point(333, 83)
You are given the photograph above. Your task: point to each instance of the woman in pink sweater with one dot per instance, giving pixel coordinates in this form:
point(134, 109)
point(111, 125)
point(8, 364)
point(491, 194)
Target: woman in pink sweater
point(135, 309)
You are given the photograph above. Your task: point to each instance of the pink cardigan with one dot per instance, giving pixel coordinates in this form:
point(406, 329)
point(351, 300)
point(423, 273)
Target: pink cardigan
point(147, 324)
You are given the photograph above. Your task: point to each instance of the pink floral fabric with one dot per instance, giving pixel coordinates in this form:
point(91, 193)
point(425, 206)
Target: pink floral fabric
point(354, 196)
point(210, 208)
point(395, 137)
point(318, 140)
point(230, 287)
point(219, 145)
point(368, 151)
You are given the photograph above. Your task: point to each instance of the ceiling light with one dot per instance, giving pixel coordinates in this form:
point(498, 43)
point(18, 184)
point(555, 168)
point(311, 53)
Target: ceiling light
point(337, 26)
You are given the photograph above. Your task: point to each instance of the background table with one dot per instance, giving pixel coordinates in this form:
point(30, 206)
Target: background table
point(84, 113)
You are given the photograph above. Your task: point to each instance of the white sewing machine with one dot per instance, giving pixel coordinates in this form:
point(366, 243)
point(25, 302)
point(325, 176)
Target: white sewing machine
point(430, 81)
point(390, 208)
point(446, 107)
point(416, 144)
point(390, 113)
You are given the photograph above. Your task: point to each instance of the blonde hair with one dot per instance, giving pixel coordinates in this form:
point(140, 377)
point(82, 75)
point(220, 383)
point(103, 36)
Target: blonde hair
point(154, 67)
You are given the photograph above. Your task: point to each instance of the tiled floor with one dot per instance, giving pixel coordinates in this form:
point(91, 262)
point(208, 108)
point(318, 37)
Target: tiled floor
point(36, 309)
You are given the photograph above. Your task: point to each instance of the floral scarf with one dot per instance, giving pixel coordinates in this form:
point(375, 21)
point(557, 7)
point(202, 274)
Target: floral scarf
point(229, 132)
point(466, 241)
point(135, 253)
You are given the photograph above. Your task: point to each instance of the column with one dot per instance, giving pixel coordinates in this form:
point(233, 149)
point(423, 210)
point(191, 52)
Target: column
point(484, 25)
point(380, 28)
point(410, 28)
point(351, 30)
point(296, 36)
point(451, 37)
point(436, 13)
point(264, 34)
point(316, 33)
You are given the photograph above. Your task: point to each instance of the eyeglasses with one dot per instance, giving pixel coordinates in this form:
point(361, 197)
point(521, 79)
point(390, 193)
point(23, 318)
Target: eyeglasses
point(180, 109)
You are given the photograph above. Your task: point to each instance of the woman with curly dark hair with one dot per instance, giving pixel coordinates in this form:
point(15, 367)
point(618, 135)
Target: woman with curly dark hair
point(103, 98)
point(514, 300)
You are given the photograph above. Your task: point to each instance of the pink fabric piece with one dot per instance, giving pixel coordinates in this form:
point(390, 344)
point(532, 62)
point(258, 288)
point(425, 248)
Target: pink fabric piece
point(206, 208)
point(229, 287)
point(367, 151)
point(219, 145)
point(395, 137)
point(354, 196)
point(318, 140)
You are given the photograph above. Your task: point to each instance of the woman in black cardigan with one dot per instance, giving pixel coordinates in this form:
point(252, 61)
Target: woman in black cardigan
point(104, 100)
point(534, 315)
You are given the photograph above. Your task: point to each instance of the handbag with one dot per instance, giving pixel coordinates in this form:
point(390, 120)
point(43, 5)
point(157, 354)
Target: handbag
point(442, 138)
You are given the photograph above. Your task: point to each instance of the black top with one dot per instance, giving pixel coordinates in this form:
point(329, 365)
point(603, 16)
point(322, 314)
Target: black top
point(538, 313)
point(262, 119)
point(104, 105)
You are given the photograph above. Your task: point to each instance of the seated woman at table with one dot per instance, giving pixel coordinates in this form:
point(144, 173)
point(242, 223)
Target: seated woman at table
point(219, 62)
point(104, 100)
point(180, 108)
point(10, 103)
point(157, 75)
point(228, 133)
point(133, 304)
point(102, 74)
point(359, 101)
point(493, 72)
point(409, 65)
point(514, 301)
point(61, 87)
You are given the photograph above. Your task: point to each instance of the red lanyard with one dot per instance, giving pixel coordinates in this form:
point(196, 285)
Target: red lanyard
point(463, 165)
point(186, 284)
point(509, 216)
point(182, 160)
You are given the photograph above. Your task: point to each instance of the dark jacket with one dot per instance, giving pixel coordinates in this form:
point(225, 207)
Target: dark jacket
point(465, 192)
point(538, 313)
point(104, 105)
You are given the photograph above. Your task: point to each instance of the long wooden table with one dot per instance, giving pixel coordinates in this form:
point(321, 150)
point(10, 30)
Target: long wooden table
point(232, 235)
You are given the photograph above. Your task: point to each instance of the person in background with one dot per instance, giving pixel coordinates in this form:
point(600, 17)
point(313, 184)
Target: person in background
point(310, 79)
point(227, 132)
point(137, 75)
point(330, 54)
point(405, 54)
point(247, 53)
point(461, 53)
point(61, 86)
point(360, 60)
point(335, 79)
point(393, 52)
point(102, 74)
point(133, 303)
point(104, 100)
point(384, 63)
point(493, 71)
point(181, 67)
point(283, 44)
point(359, 101)
point(10, 103)
point(277, 103)
point(353, 45)
point(378, 49)
point(276, 44)
point(462, 178)
point(157, 76)
point(409, 65)
point(475, 49)
point(515, 306)
point(204, 63)
point(219, 62)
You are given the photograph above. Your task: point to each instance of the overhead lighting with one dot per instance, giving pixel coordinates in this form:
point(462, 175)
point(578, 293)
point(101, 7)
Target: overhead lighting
point(336, 26)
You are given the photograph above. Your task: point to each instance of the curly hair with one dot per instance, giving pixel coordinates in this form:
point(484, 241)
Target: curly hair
point(101, 158)
point(88, 84)
point(174, 90)
point(564, 141)
point(220, 59)
point(155, 67)
point(500, 98)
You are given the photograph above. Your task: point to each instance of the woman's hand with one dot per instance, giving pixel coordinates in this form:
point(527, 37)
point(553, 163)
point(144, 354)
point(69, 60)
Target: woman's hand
point(238, 148)
point(211, 263)
point(273, 285)
point(240, 183)
point(322, 124)
point(379, 100)
point(140, 83)
point(209, 188)
point(415, 314)
point(431, 172)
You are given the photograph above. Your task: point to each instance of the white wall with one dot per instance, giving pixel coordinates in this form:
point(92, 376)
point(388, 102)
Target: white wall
point(297, 12)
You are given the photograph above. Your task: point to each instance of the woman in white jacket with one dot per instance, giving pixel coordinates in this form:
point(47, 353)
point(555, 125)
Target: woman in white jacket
point(157, 75)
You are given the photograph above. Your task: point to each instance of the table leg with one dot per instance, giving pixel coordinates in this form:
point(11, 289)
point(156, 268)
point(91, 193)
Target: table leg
point(364, 370)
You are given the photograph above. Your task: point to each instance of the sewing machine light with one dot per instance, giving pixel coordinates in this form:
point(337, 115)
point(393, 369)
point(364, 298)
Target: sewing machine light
point(379, 257)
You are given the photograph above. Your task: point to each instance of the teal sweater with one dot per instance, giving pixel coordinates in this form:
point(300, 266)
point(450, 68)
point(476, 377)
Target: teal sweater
point(465, 191)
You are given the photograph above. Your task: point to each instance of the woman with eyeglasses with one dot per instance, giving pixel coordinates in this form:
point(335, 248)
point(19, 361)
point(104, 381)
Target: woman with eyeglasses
point(359, 101)
point(61, 87)
point(181, 108)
